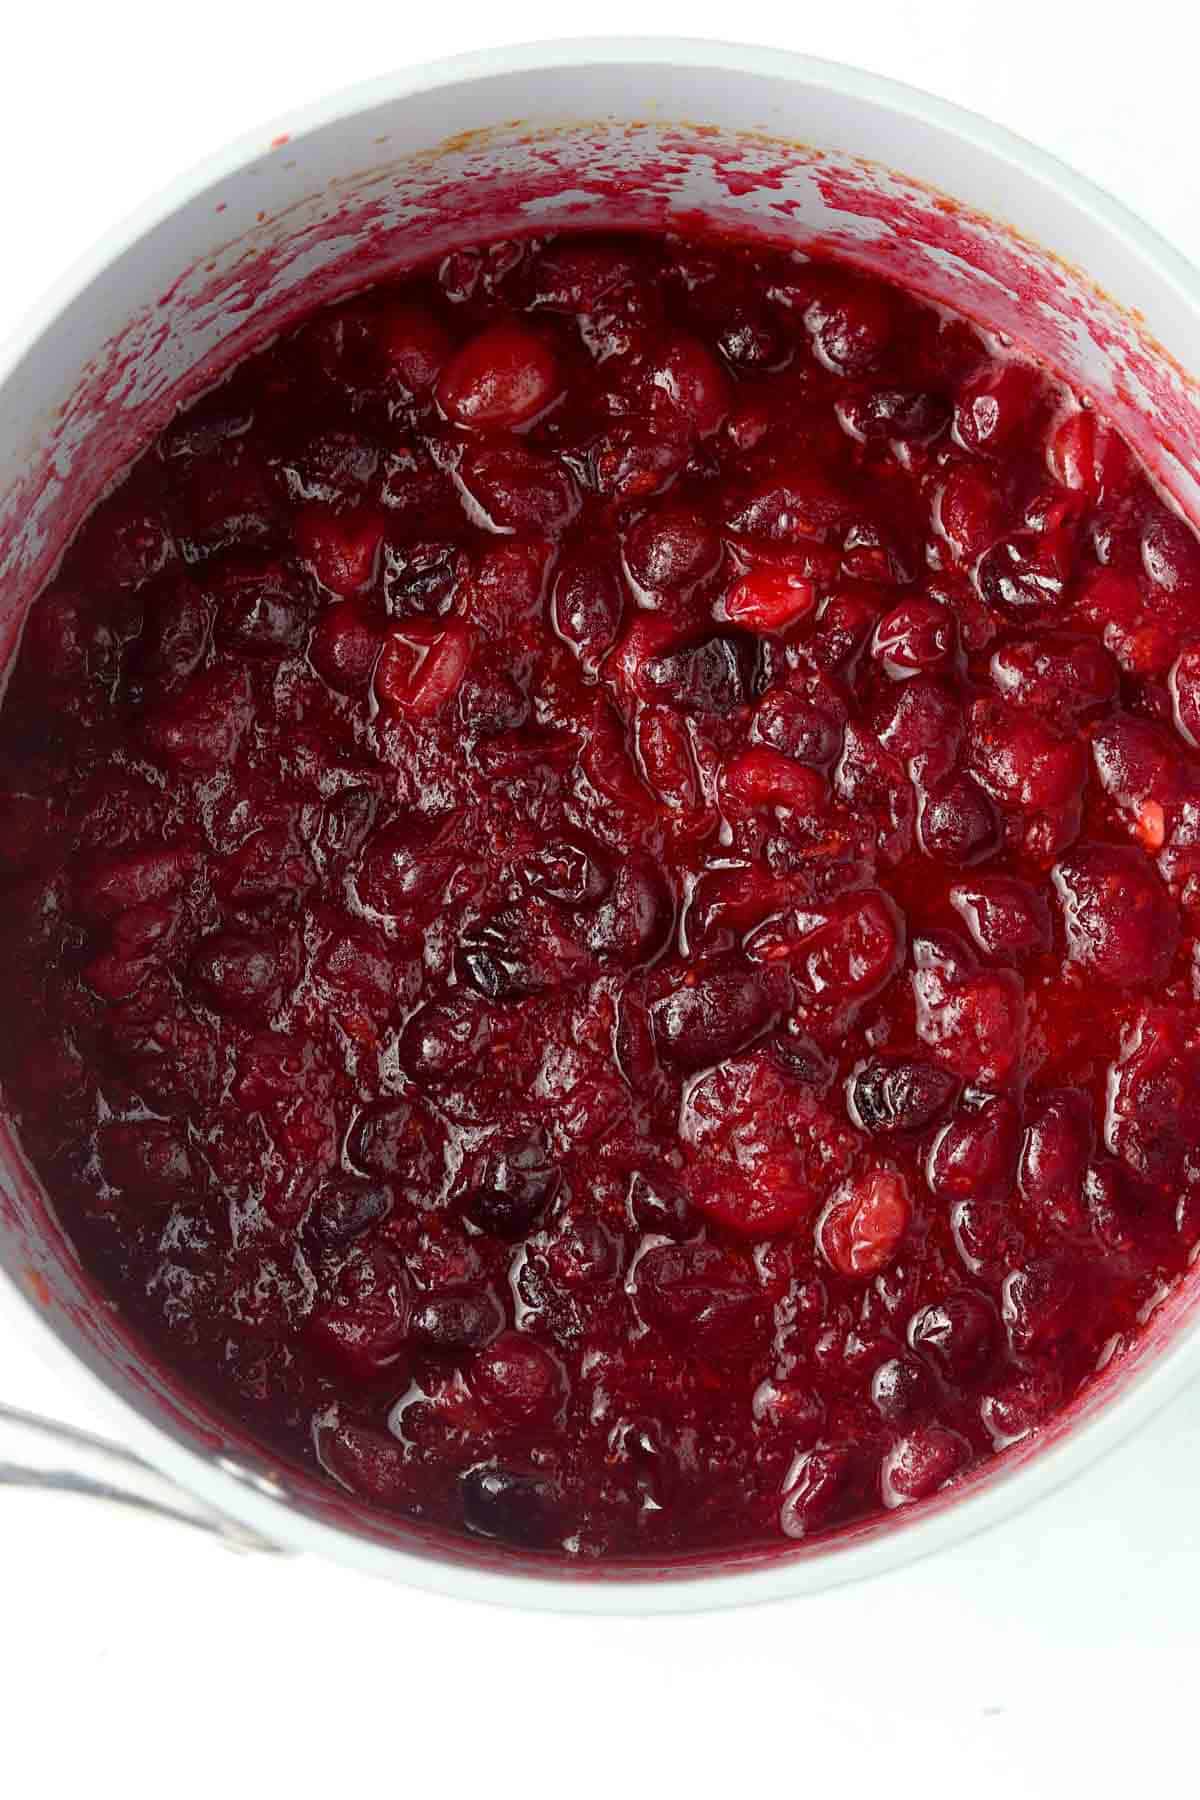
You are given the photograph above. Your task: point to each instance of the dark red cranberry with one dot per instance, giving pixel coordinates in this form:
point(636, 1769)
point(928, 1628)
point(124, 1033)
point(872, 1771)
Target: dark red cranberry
point(713, 1014)
point(344, 1210)
point(515, 1506)
point(455, 1322)
point(710, 678)
point(958, 1333)
point(890, 1094)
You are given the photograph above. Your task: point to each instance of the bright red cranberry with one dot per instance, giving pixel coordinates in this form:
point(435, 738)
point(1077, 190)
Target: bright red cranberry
point(586, 610)
point(499, 380)
point(421, 665)
point(804, 723)
point(769, 600)
point(690, 383)
point(974, 1022)
point(862, 1227)
point(671, 548)
point(1055, 674)
point(851, 327)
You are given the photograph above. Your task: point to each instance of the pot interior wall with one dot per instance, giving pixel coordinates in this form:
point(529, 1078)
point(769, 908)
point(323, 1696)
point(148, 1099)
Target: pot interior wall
point(354, 199)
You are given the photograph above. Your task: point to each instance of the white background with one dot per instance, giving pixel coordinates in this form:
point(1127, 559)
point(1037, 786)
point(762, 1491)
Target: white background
point(1056, 1655)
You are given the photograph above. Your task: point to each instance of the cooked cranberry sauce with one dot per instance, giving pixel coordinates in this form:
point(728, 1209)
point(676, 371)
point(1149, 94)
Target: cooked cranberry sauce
point(602, 890)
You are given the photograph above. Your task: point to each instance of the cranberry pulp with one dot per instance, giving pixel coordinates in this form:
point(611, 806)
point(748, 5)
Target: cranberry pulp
point(601, 896)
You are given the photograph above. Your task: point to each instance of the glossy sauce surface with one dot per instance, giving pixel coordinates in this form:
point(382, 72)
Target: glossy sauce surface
point(601, 864)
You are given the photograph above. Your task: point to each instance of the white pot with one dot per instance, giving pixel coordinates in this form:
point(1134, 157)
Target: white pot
point(581, 133)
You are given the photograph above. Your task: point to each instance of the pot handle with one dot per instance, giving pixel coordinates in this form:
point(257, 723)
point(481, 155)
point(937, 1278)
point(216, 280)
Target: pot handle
point(42, 1453)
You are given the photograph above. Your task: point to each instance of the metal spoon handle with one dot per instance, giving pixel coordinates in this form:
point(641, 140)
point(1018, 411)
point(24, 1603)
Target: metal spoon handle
point(42, 1453)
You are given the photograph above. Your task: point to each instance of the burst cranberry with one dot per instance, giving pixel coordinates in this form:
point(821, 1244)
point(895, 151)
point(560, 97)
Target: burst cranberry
point(976, 1153)
point(861, 1229)
point(769, 600)
point(421, 665)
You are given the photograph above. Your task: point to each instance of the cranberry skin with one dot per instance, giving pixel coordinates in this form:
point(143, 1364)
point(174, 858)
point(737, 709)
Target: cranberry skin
point(901, 1389)
point(413, 346)
point(420, 667)
point(514, 1506)
point(853, 954)
point(1055, 674)
point(891, 1094)
point(343, 650)
point(917, 637)
point(1153, 1098)
point(449, 1323)
point(691, 385)
point(361, 1328)
point(805, 724)
point(174, 633)
point(1120, 923)
point(994, 407)
point(713, 1014)
point(957, 823)
point(976, 1154)
point(1184, 684)
point(519, 490)
point(861, 1228)
point(585, 611)
point(518, 1186)
point(671, 549)
point(708, 679)
point(920, 1463)
point(1055, 1154)
point(1041, 1302)
point(972, 1021)
point(958, 1334)
point(520, 1380)
point(344, 1210)
point(769, 600)
point(695, 1291)
point(237, 973)
point(341, 549)
point(1007, 918)
point(851, 328)
point(500, 380)
point(821, 1488)
point(200, 730)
